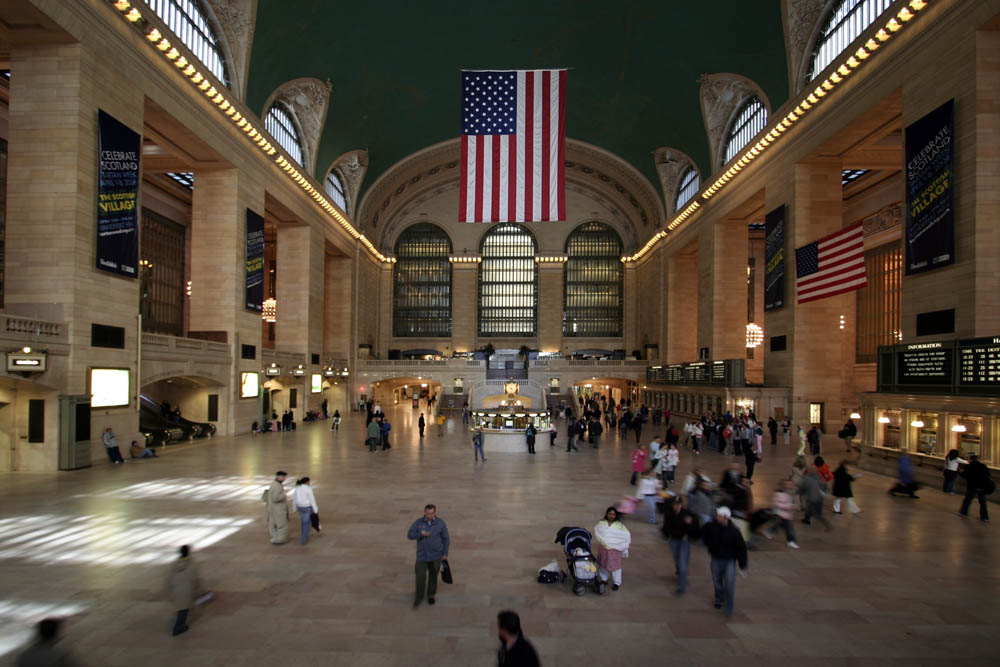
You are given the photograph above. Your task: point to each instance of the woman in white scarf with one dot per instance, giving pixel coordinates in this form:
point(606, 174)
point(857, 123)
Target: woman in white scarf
point(613, 540)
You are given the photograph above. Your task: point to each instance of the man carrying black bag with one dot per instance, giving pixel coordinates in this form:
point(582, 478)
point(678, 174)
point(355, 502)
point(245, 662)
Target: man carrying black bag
point(432, 538)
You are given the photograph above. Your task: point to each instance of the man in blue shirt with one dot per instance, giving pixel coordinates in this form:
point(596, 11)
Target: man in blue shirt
point(431, 535)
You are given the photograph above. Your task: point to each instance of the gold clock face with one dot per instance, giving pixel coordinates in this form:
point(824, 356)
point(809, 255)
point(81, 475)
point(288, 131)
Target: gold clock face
point(511, 388)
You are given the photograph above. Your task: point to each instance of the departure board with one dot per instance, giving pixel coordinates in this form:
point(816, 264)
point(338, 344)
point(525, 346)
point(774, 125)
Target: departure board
point(727, 373)
point(696, 373)
point(924, 363)
point(979, 361)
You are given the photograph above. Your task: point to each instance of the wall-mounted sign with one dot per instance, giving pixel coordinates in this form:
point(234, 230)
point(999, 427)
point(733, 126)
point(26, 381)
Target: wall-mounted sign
point(249, 384)
point(316, 384)
point(118, 150)
point(774, 257)
point(930, 194)
point(26, 360)
point(968, 366)
point(255, 262)
point(109, 387)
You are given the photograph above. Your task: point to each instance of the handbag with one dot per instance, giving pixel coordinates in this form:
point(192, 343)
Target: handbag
point(314, 520)
point(446, 573)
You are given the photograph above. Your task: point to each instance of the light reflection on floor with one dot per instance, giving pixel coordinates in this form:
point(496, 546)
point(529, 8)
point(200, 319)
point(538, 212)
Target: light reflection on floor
point(219, 488)
point(18, 620)
point(93, 540)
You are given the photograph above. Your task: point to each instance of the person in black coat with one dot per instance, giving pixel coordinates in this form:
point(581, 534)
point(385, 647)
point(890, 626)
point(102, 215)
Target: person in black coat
point(680, 527)
point(977, 485)
point(727, 548)
point(772, 427)
point(842, 489)
point(515, 650)
point(529, 434)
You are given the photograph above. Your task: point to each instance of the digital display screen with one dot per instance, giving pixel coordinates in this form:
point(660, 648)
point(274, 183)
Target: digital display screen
point(109, 387)
point(317, 383)
point(979, 361)
point(249, 385)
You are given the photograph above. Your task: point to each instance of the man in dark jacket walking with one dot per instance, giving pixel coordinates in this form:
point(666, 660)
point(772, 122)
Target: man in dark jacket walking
point(432, 538)
point(727, 548)
point(515, 650)
point(680, 527)
point(977, 485)
point(421, 423)
point(529, 435)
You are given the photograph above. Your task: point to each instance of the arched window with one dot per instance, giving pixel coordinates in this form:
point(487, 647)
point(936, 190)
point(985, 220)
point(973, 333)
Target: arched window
point(846, 21)
point(592, 303)
point(278, 122)
point(688, 188)
point(335, 190)
point(421, 293)
point(750, 119)
point(186, 19)
point(508, 282)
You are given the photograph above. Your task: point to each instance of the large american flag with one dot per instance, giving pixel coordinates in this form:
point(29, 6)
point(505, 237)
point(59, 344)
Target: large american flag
point(833, 265)
point(513, 146)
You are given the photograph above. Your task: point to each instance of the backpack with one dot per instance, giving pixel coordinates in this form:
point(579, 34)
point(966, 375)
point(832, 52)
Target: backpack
point(266, 496)
point(727, 432)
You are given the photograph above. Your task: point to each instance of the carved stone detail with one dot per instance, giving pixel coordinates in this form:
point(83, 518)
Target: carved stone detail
point(670, 164)
point(721, 95)
point(235, 22)
point(884, 219)
point(801, 21)
point(351, 168)
point(308, 99)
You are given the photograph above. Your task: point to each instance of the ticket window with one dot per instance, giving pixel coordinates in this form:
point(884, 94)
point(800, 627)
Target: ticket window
point(891, 431)
point(971, 440)
point(927, 441)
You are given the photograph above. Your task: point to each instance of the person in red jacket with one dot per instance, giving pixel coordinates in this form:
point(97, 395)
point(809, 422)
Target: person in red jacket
point(638, 462)
point(823, 470)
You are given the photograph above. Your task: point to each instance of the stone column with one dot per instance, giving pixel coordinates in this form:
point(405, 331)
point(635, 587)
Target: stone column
point(464, 305)
point(682, 307)
point(722, 289)
point(817, 343)
point(551, 277)
point(630, 313)
point(218, 271)
point(338, 296)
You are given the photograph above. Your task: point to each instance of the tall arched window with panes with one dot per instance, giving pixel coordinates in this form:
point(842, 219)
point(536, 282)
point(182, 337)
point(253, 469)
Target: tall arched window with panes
point(421, 278)
point(844, 24)
point(188, 21)
point(592, 299)
point(279, 123)
point(508, 283)
point(749, 119)
point(335, 190)
point(687, 187)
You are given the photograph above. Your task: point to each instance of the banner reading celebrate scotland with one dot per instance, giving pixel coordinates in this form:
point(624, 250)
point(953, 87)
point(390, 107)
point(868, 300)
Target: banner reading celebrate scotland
point(255, 262)
point(513, 146)
point(930, 213)
point(774, 257)
point(117, 197)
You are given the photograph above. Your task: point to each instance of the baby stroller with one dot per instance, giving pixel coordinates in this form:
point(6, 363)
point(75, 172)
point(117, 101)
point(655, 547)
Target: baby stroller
point(580, 560)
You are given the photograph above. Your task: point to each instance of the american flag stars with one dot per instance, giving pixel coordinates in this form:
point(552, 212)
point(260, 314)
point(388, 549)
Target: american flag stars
point(489, 103)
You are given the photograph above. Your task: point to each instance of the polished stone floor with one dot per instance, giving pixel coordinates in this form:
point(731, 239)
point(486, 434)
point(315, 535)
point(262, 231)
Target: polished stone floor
point(907, 582)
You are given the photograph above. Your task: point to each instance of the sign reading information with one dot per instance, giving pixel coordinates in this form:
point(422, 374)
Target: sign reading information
point(255, 262)
point(117, 197)
point(969, 366)
point(930, 216)
point(774, 256)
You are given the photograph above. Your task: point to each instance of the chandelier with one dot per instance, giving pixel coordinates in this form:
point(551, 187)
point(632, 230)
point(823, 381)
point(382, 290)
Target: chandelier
point(755, 335)
point(269, 312)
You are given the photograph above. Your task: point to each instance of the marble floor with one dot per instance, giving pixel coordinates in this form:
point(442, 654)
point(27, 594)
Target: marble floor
point(907, 582)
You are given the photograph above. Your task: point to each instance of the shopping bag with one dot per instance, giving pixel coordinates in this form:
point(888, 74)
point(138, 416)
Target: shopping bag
point(446, 573)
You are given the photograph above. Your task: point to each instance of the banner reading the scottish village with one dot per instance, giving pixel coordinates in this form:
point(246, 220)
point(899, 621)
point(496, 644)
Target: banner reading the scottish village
point(774, 258)
point(930, 194)
point(117, 197)
point(255, 262)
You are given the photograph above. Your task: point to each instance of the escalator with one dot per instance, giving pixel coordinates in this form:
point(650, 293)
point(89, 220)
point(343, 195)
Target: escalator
point(162, 430)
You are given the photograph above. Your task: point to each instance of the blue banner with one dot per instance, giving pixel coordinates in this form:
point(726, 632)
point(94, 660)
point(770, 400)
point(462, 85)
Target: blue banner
point(930, 208)
point(117, 197)
point(774, 258)
point(255, 262)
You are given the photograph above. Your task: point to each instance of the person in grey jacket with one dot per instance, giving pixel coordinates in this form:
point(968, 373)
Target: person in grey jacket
point(184, 587)
point(813, 489)
point(431, 535)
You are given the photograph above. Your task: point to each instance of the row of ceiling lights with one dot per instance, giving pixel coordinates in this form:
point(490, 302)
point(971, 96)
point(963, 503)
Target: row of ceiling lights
point(204, 84)
point(809, 100)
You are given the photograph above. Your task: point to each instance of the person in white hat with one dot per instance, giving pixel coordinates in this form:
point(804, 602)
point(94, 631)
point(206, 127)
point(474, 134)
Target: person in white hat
point(727, 549)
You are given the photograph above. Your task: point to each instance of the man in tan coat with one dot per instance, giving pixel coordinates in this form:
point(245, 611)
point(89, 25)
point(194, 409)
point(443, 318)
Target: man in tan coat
point(276, 511)
point(183, 587)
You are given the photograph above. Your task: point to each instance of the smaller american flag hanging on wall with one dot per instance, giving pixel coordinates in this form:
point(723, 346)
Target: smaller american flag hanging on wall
point(513, 146)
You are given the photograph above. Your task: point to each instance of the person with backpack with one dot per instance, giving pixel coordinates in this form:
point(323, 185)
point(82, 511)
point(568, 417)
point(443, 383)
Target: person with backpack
point(978, 484)
point(529, 435)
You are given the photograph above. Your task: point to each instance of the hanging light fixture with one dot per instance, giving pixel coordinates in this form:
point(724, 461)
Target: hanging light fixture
point(917, 423)
point(883, 420)
point(755, 335)
point(855, 415)
point(269, 311)
point(959, 428)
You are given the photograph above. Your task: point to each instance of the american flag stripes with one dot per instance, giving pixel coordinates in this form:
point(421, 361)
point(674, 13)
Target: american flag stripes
point(513, 146)
point(833, 265)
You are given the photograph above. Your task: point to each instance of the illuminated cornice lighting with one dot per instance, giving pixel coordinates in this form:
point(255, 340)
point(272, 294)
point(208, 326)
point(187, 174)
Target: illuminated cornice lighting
point(466, 259)
point(269, 311)
point(227, 107)
point(809, 100)
point(541, 259)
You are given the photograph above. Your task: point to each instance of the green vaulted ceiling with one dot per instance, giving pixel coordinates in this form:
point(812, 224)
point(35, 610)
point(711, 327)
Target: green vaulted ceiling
point(395, 66)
